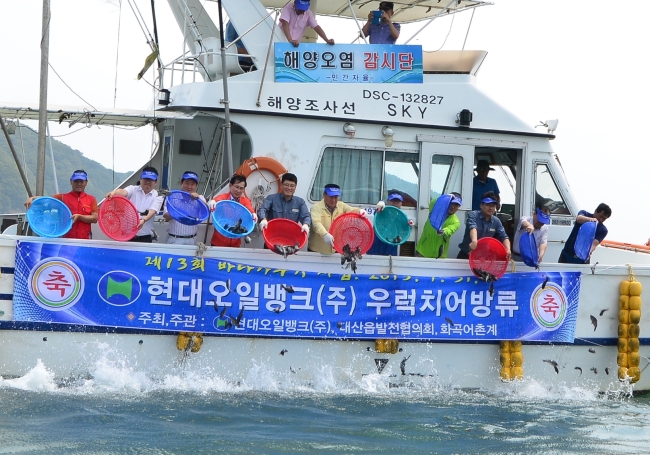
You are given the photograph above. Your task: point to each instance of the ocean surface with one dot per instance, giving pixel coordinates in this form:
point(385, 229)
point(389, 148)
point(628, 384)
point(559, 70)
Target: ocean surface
point(119, 411)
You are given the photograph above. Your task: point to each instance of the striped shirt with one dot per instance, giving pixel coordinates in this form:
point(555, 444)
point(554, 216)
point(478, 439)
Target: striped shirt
point(180, 229)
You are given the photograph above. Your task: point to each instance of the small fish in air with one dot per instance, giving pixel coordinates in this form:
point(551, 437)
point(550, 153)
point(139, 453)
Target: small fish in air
point(602, 312)
point(288, 288)
point(397, 239)
point(237, 320)
point(594, 321)
point(545, 281)
point(593, 351)
point(579, 369)
point(555, 366)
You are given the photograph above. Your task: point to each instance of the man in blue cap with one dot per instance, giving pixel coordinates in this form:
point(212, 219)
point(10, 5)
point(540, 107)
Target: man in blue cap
point(82, 205)
point(482, 223)
point(379, 247)
point(179, 233)
point(322, 214)
point(537, 225)
point(146, 201)
point(295, 18)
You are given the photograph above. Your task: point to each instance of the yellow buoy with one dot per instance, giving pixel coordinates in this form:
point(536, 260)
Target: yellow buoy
point(511, 359)
point(629, 316)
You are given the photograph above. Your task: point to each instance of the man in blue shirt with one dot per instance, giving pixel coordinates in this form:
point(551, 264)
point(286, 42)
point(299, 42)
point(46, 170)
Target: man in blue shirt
point(285, 205)
point(483, 184)
point(482, 223)
point(387, 31)
point(568, 254)
point(231, 35)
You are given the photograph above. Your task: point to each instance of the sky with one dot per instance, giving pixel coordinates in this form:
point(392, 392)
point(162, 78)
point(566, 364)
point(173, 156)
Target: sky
point(547, 59)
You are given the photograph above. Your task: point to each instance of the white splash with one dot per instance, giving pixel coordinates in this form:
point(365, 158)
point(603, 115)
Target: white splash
point(38, 379)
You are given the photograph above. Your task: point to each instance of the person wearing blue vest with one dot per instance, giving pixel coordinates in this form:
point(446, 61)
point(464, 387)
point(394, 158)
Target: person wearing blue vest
point(602, 213)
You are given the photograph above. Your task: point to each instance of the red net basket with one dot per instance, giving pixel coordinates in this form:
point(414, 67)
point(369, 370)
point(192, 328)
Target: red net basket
point(354, 230)
point(281, 231)
point(489, 256)
point(118, 218)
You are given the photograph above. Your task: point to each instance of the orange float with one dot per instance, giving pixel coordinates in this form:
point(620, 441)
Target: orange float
point(260, 164)
point(625, 246)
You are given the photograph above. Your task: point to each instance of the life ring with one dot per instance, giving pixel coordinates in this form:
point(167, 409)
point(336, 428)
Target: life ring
point(263, 163)
point(625, 246)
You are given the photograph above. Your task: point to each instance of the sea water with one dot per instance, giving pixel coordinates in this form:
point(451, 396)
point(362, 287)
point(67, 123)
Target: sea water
point(116, 410)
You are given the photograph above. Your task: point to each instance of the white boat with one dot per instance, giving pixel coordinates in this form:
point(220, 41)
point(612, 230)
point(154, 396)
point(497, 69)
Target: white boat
point(412, 137)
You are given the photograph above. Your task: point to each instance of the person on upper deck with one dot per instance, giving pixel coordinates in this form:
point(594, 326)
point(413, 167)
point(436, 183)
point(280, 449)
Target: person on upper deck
point(179, 233)
point(82, 205)
point(146, 201)
point(482, 223)
point(285, 205)
point(387, 31)
point(537, 225)
point(429, 245)
point(379, 247)
point(602, 213)
point(236, 191)
point(322, 214)
point(246, 63)
point(482, 184)
point(294, 20)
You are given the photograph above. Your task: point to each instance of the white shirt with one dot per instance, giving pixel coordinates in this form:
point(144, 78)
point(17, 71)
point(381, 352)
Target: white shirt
point(540, 234)
point(180, 229)
point(144, 202)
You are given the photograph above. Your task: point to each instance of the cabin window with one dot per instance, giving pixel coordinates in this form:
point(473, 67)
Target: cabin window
point(446, 175)
point(547, 193)
point(366, 176)
point(402, 173)
point(357, 172)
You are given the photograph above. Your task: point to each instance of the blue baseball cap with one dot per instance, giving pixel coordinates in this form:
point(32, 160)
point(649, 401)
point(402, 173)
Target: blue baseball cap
point(302, 5)
point(542, 217)
point(79, 176)
point(395, 196)
point(456, 200)
point(149, 175)
point(332, 190)
point(489, 200)
point(190, 175)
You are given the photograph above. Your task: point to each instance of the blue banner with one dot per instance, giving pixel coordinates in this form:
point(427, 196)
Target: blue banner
point(142, 290)
point(348, 63)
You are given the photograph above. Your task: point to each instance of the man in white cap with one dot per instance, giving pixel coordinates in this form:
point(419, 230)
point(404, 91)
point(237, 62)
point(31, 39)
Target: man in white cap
point(294, 20)
point(322, 214)
point(179, 233)
point(537, 225)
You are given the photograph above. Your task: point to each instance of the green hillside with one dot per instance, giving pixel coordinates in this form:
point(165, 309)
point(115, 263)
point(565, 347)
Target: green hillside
point(13, 193)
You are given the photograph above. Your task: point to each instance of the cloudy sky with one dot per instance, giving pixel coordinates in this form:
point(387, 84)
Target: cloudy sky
point(574, 61)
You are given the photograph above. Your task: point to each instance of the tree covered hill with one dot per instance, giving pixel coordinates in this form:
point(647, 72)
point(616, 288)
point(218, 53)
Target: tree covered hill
point(13, 193)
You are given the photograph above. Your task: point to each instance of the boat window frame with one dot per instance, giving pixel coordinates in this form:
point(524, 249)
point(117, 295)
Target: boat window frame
point(383, 150)
point(551, 172)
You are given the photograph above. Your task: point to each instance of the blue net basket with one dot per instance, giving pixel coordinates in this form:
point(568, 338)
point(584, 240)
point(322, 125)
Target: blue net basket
point(226, 216)
point(186, 210)
point(392, 226)
point(585, 238)
point(49, 217)
point(528, 250)
point(440, 210)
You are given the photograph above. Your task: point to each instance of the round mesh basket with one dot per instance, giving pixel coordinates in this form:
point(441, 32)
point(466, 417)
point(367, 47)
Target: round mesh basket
point(49, 217)
point(353, 230)
point(489, 256)
point(185, 209)
point(528, 250)
point(118, 218)
point(281, 231)
point(439, 212)
point(585, 238)
point(232, 220)
point(392, 226)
